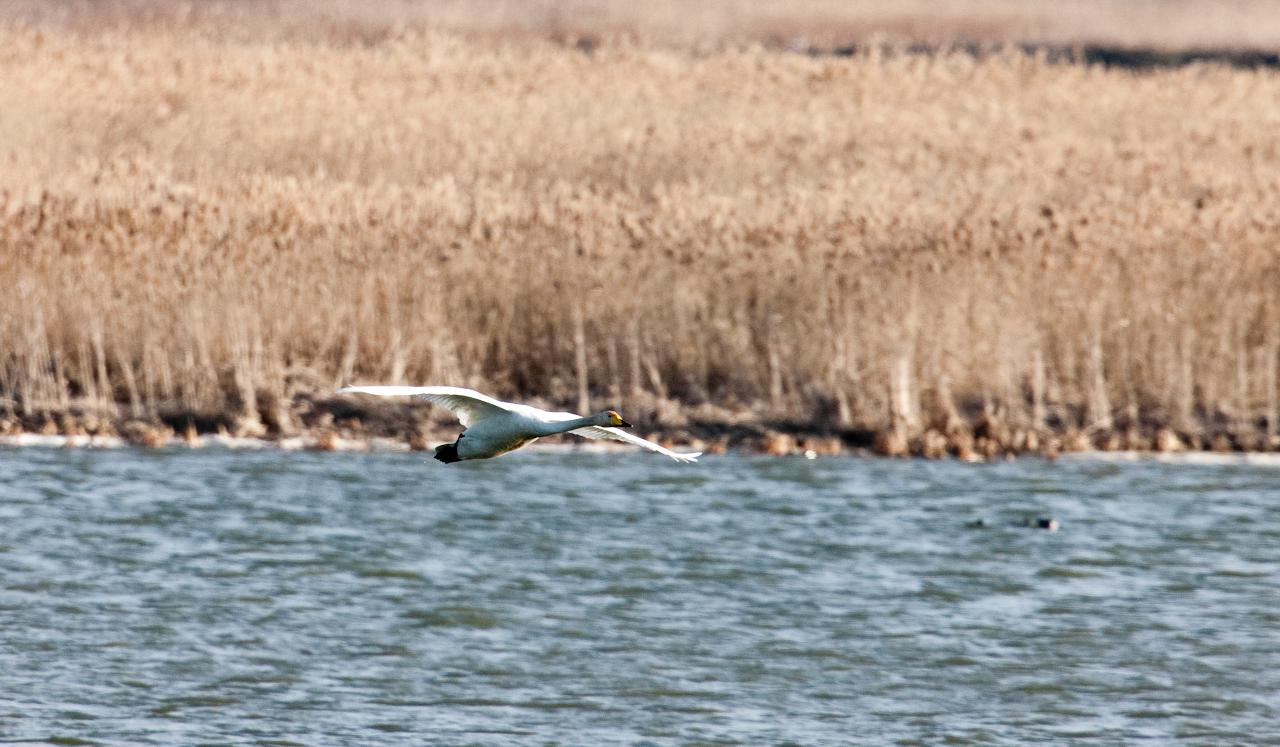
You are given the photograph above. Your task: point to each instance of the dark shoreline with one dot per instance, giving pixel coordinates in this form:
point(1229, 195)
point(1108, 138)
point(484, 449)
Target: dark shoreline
point(1121, 57)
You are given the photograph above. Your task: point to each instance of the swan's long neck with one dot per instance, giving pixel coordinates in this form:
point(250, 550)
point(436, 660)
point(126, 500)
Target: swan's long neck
point(564, 426)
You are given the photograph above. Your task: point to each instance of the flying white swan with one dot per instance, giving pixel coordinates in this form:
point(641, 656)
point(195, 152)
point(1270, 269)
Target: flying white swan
point(493, 427)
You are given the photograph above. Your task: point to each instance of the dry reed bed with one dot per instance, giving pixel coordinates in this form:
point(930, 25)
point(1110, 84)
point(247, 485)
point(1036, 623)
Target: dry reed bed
point(925, 248)
point(700, 24)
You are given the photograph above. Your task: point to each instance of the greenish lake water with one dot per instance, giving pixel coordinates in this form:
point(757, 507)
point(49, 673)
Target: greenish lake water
point(183, 597)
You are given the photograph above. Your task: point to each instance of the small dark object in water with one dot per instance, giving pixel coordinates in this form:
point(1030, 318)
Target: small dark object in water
point(1043, 522)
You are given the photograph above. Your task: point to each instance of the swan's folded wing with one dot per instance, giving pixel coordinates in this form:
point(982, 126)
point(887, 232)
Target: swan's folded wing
point(470, 406)
point(616, 434)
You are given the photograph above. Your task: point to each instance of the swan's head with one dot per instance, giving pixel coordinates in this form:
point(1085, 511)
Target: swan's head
point(616, 420)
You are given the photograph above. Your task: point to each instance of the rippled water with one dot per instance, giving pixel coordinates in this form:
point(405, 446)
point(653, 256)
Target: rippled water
point(180, 597)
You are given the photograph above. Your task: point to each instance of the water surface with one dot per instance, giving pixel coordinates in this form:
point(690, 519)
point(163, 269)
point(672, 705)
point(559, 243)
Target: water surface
point(239, 597)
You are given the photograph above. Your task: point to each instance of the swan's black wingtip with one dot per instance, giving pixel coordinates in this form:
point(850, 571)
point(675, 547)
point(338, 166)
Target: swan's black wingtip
point(448, 453)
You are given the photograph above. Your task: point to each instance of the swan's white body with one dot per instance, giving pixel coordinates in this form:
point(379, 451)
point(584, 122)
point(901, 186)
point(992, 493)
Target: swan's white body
point(494, 427)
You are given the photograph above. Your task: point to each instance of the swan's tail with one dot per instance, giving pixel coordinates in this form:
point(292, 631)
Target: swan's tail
point(448, 453)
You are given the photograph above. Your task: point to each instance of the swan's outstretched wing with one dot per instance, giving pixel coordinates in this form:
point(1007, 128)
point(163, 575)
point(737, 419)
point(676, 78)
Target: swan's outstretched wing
point(470, 406)
point(616, 434)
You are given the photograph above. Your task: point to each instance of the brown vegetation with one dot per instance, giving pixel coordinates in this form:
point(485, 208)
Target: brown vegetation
point(967, 256)
point(697, 24)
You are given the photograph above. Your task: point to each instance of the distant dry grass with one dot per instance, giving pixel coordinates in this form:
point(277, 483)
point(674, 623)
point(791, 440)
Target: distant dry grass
point(194, 223)
point(1172, 24)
